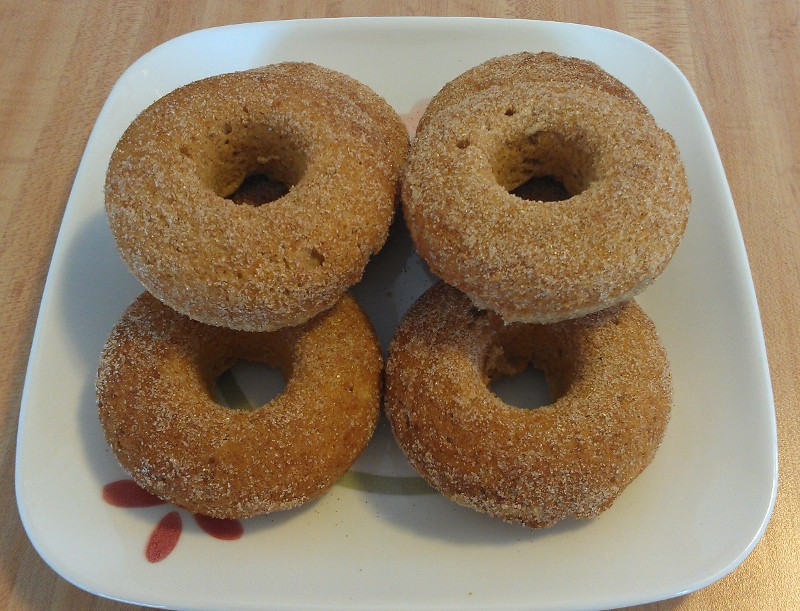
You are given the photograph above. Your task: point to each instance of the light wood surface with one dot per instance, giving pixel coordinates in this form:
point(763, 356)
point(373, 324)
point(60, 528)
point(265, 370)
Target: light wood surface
point(59, 60)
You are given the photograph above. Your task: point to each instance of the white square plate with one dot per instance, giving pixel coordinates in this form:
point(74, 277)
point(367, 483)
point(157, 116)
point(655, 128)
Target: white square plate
point(689, 519)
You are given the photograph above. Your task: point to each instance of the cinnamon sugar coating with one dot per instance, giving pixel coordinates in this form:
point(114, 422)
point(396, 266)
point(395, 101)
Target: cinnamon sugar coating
point(523, 116)
point(607, 373)
point(332, 141)
point(156, 406)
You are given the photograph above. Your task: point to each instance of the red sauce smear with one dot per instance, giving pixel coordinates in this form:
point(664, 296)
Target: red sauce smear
point(164, 537)
point(219, 528)
point(127, 493)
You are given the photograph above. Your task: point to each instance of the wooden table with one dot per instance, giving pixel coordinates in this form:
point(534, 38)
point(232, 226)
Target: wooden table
point(60, 59)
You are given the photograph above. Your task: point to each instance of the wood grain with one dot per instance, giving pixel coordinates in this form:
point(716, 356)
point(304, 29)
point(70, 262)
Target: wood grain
point(59, 60)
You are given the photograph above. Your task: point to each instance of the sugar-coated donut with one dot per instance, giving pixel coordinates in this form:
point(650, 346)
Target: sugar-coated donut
point(609, 379)
point(523, 116)
point(156, 407)
point(331, 140)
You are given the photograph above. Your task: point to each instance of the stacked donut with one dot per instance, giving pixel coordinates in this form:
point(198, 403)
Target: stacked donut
point(526, 282)
point(529, 282)
point(231, 278)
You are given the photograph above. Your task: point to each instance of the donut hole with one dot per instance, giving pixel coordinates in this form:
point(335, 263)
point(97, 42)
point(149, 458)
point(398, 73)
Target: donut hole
point(542, 189)
point(257, 190)
point(529, 366)
point(247, 385)
point(526, 389)
point(543, 166)
point(251, 164)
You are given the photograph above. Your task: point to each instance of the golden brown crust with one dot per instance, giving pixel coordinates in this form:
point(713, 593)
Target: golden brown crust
point(154, 392)
point(525, 115)
point(609, 377)
point(336, 143)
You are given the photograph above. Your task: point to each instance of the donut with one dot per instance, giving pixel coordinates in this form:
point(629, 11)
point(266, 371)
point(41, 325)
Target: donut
point(607, 374)
point(157, 411)
point(170, 193)
point(527, 116)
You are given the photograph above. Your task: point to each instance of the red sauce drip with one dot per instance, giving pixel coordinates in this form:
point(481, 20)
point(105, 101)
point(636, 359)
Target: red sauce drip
point(127, 493)
point(228, 530)
point(164, 537)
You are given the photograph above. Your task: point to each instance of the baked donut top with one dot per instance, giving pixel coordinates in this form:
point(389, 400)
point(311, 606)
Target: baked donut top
point(526, 116)
point(335, 144)
point(611, 390)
